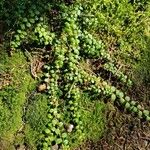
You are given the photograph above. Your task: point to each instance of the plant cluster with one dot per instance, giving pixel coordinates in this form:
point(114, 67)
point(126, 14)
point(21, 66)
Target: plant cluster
point(33, 21)
point(116, 72)
point(64, 77)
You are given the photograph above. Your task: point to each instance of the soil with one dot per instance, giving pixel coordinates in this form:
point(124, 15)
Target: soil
point(125, 131)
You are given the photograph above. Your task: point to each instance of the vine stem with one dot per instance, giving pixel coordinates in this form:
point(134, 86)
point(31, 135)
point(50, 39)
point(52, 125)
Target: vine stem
point(70, 88)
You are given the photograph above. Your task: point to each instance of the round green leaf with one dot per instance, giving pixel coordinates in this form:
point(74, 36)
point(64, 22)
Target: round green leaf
point(146, 112)
point(47, 131)
point(127, 105)
point(59, 141)
point(113, 97)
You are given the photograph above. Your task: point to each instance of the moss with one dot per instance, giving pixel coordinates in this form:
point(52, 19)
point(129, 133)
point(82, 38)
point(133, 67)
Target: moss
point(92, 114)
point(36, 119)
point(94, 121)
point(13, 96)
point(142, 68)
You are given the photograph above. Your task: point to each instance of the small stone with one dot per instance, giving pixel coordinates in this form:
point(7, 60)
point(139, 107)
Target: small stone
point(55, 147)
point(70, 128)
point(42, 87)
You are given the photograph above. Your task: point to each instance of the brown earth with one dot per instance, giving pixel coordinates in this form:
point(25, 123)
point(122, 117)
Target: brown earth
point(125, 131)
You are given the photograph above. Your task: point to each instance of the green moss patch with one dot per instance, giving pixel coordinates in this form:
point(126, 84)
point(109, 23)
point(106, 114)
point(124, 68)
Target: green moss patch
point(93, 118)
point(36, 119)
point(13, 96)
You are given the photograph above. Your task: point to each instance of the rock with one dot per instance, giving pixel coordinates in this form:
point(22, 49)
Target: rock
point(55, 147)
point(42, 87)
point(70, 127)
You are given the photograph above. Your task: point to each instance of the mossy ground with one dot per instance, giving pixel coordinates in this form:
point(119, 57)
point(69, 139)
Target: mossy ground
point(93, 116)
point(36, 119)
point(23, 111)
point(13, 95)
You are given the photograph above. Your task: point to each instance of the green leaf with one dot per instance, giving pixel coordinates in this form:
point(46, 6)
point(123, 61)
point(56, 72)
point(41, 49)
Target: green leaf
point(146, 112)
point(28, 24)
point(47, 131)
point(147, 118)
point(64, 135)
point(25, 20)
point(60, 124)
point(45, 144)
point(32, 20)
point(122, 101)
point(65, 142)
point(19, 31)
point(135, 110)
point(139, 107)
point(57, 131)
point(133, 103)
point(72, 108)
point(113, 97)
point(121, 95)
point(127, 105)
point(140, 114)
point(59, 141)
point(49, 116)
point(127, 98)
point(54, 122)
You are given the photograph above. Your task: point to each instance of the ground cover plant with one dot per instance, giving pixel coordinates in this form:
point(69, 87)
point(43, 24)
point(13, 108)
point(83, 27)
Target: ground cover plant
point(82, 46)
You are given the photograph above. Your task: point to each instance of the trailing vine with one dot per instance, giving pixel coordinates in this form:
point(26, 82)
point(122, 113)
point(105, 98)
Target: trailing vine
point(65, 79)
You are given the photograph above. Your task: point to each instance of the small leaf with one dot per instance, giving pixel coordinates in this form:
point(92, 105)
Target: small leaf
point(59, 141)
point(47, 131)
point(127, 105)
point(127, 98)
point(140, 114)
point(147, 118)
point(64, 135)
point(146, 112)
point(65, 142)
point(113, 97)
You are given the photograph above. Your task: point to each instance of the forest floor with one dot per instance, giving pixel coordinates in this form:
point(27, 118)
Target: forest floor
point(130, 135)
point(122, 131)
